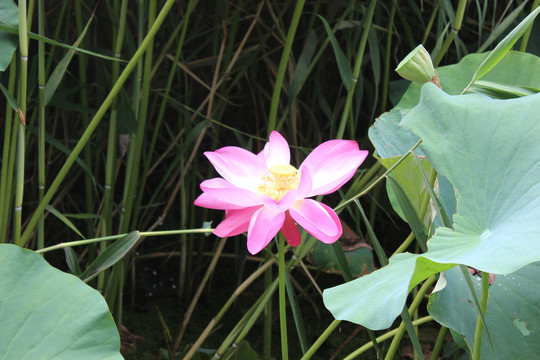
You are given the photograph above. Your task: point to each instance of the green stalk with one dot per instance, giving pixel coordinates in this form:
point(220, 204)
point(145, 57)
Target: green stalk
point(387, 56)
point(161, 113)
point(8, 157)
point(59, 23)
point(119, 236)
point(455, 29)
point(414, 305)
point(113, 132)
point(41, 121)
point(479, 323)
point(258, 307)
point(110, 162)
point(384, 337)
point(283, 65)
point(439, 343)
point(95, 122)
point(255, 275)
point(322, 338)
point(282, 300)
point(267, 332)
point(87, 153)
point(136, 142)
point(356, 71)
point(130, 185)
point(198, 293)
point(19, 166)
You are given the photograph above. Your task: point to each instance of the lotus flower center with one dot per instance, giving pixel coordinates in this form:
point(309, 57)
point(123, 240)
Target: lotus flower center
point(278, 181)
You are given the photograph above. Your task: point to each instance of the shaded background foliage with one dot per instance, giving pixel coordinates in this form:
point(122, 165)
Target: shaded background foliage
point(219, 94)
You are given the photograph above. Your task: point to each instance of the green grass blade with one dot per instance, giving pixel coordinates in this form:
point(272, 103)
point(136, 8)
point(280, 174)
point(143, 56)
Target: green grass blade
point(60, 70)
point(343, 64)
point(11, 100)
point(33, 36)
point(503, 47)
point(342, 261)
point(508, 20)
point(297, 315)
point(111, 255)
point(64, 219)
point(381, 255)
point(410, 213)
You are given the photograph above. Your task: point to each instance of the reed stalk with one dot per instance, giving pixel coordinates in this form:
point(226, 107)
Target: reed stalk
point(95, 122)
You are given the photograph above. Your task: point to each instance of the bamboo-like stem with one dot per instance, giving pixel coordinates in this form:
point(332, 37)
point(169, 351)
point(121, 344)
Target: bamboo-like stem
point(267, 332)
point(460, 11)
point(322, 338)
point(8, 157)
point(255, 275)
point(282, 297)
point(356, 70)
point(87, 152)
point(388, 50)
point(479, 321)
point(385, 336)
point(256, 311)
point(114, 237)
point(136, 141)
point(41, 120)
point(414, 305)
point(149, 160)
point(95, 122)
point(198, 293)
point(283, 65)
point(59, 25)
point(110, 160)
point(20, 164)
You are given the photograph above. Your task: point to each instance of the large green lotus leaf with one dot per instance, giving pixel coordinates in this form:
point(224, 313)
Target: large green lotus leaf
point(48, 314)
point(490, 152)
point(512, 317)
point(410, 178)
point(8, 42)
point(375, 300)
point(516, 68)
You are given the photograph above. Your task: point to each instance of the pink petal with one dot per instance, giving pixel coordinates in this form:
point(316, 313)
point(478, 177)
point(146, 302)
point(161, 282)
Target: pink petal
point(332, 164)
point(264, 225)
point(290, 231)
point(318, 219)
point(225, 192)
point(209, 202)
point(287, 200)
point(276, 151)
point(238, 166)
point(304, 188)
point(236, 222)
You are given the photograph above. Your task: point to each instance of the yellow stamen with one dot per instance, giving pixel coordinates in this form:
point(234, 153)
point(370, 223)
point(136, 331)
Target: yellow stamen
point(278, 181)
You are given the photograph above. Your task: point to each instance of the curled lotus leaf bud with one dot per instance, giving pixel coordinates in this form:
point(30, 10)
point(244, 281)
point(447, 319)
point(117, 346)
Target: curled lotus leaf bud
point(417, 66)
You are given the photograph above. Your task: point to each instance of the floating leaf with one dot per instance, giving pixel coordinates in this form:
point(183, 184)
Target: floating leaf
point(512, 316)
point(490, 152)
point(9, 14)
point(48, 314)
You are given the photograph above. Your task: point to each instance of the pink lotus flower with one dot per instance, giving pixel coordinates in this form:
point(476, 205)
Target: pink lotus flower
point(263, 194)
